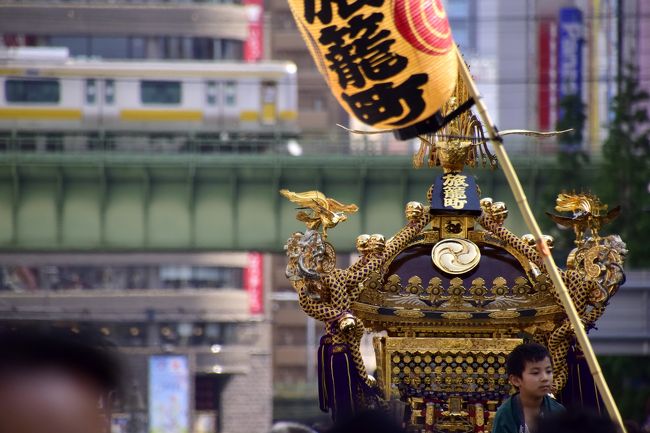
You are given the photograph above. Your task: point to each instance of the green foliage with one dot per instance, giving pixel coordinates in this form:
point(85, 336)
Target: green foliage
point(570, 172)
point(572, 117)
point(625, 176)
point(628, 378)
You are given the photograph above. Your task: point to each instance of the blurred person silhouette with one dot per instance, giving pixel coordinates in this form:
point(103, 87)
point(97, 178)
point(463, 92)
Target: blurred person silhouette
point(645, 424)
point(290, 427)
point(372, 421)
point(632, 426)
point(577, 421)
point(55, 381)
point(321, 426)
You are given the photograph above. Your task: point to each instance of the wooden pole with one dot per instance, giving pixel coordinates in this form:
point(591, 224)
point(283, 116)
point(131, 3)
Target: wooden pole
point(522, 202)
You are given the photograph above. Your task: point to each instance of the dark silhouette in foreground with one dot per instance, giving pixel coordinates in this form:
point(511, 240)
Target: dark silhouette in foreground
point(55, 381)
point(577, 421)
point(368, 422)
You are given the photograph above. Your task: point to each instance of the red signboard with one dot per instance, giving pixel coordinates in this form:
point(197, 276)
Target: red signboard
point(254, 283)
point(544, 42)
point(254, 44)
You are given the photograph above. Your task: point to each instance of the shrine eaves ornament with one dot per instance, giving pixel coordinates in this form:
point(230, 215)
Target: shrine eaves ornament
point(390, 63)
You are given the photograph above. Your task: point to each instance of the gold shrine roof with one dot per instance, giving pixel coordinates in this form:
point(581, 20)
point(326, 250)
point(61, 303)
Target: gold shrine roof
point(503, 289)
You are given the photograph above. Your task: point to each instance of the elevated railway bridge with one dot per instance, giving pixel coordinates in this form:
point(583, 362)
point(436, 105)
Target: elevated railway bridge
point(205, 198)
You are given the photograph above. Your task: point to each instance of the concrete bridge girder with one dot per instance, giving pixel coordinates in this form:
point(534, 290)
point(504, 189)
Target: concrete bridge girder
point(114, 202)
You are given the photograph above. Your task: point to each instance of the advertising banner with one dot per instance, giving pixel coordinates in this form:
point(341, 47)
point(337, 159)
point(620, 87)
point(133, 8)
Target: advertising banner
point(569, 50)
point(254, 44)
point(546, 68)
point(254, 283)
point(169, 394)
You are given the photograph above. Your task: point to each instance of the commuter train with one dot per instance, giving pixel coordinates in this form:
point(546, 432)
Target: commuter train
point(64, 96)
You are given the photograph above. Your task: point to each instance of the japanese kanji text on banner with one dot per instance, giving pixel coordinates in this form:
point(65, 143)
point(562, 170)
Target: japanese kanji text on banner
point(390, 63)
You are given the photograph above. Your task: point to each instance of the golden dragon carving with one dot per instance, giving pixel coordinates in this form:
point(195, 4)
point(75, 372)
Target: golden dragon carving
point(594, 268)
point(325, 292)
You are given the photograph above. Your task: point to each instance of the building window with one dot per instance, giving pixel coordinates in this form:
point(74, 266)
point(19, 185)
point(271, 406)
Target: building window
point(160, 92)
point(202, 48)
point(42, 90)
point(137, 48)
point(91, 277)
point(109, 47)
point(78, 45)
point(200, 277)
point(232, 49)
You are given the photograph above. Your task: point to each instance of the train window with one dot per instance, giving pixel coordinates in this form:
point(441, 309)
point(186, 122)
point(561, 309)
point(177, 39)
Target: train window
point(109, 92)
point(211, 93)
point(269, 92)
point(230, 93)
point(91, 91)
point(160, 92)
point(269, 99)
point(33, 90)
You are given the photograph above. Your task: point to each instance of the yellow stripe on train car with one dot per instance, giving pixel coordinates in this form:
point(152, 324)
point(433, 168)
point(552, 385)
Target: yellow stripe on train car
point(288, 115)
point(11, 71)
point(58, 114)
point(161, 115)
point(249, 116)
point(268, 113)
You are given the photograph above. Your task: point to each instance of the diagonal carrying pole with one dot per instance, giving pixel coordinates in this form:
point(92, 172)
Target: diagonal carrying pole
point(522, 202)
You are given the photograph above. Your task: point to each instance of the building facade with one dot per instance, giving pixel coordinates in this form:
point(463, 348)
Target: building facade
point(192, 308)
point(129, 29)
point(204, 312)
point(541, 52)
point(318, 110)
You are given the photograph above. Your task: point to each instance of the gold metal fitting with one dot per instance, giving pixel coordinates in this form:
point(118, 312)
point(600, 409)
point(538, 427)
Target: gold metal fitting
point(414, 210)
point(499, 211)
point(347, 323)
point(377, 243)
point(362, 243)
point(486, 204)
point(529, 239)
point(549, 241)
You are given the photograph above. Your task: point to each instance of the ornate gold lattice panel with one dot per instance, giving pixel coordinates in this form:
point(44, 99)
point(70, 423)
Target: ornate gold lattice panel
point(433, 372)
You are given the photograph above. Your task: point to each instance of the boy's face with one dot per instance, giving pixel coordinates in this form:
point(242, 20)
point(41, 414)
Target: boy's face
point(536, 379)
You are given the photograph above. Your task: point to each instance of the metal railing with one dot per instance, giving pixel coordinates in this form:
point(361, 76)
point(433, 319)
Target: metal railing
point(305, 145)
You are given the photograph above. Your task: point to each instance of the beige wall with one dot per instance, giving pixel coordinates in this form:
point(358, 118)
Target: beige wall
point(45, 18)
